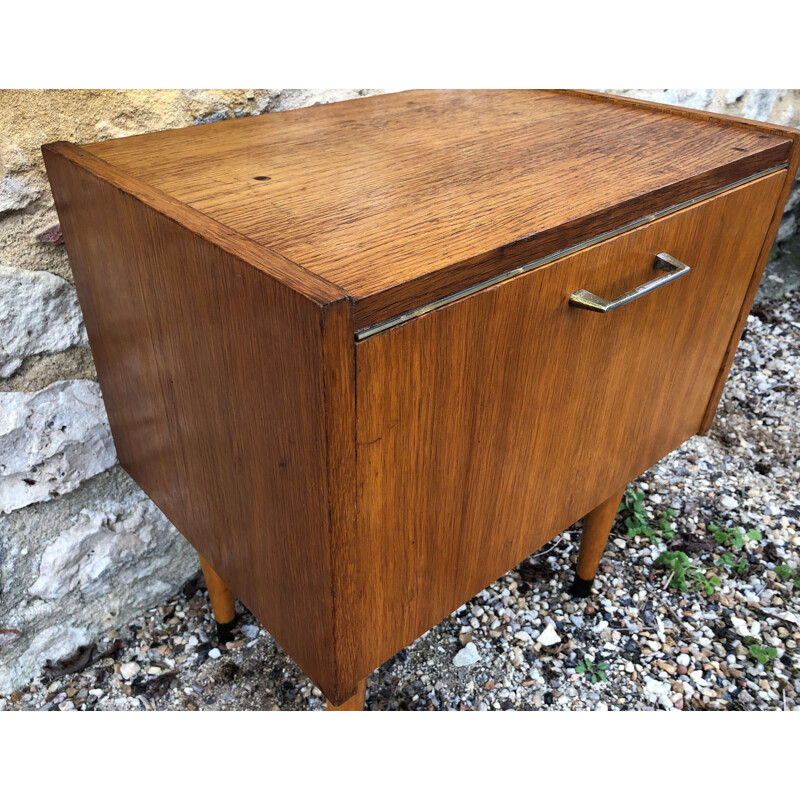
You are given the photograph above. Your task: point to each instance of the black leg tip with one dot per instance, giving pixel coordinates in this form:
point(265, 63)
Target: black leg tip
point(581, 587)
point(225, 631)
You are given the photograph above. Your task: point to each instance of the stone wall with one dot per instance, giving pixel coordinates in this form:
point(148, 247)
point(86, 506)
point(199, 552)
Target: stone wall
point(81, 548)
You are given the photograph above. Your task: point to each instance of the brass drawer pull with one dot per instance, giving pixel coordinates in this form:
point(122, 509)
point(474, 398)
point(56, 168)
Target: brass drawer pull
point(674, 269)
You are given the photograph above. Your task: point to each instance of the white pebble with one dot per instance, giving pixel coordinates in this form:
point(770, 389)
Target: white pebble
point(215, 653)
point(129, 669)
point(548, 637)
point(465, 657)
point(740, 626)
point(656, 688)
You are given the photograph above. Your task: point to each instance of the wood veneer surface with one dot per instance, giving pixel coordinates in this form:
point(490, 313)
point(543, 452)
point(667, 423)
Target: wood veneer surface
point(489, 426)
point(404, 198)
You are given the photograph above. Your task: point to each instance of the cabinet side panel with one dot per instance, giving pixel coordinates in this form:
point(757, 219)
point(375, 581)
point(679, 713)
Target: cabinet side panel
point(212, 374)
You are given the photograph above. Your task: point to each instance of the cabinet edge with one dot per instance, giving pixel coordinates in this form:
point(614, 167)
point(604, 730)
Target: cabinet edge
point(755, 279)
point(339, 387)
point(682, 111)
point(278, 267)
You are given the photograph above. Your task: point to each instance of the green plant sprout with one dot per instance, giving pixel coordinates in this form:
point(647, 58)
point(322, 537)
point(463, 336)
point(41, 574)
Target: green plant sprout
point(763, 654)
point(636, 522)
point(730, 562)
point(685, 575)
point(732, 537)
point(595, 671)
point(785, 572)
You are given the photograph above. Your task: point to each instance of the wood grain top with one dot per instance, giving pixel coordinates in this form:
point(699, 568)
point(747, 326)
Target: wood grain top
point(404, 198)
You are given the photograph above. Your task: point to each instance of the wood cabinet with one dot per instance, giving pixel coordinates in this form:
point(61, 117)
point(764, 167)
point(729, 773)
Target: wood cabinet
point(343, 348)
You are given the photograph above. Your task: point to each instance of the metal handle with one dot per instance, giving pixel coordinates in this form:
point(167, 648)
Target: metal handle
point(674, 269)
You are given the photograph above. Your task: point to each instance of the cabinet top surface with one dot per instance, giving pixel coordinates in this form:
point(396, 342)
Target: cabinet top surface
point(384, 193)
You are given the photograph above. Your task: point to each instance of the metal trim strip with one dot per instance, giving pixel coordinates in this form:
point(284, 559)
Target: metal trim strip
point(386, 325)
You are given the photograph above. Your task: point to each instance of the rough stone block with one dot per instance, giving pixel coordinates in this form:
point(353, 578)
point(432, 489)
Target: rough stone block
point(14, 195)
point(39, 313)
point(51, 441)
point(113, 558)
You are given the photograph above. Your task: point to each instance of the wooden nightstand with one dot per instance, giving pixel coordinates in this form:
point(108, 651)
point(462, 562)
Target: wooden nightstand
point(353, 351)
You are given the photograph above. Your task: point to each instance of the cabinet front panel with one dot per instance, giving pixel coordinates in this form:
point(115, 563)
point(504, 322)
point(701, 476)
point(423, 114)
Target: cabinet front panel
point(487, 427)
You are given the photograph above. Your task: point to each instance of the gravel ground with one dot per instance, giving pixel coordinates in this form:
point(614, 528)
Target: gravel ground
point(640, 642)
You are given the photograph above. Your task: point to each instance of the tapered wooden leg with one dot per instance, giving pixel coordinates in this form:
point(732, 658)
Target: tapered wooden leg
point(596, 527)
point(223, 603)
point(355, 703)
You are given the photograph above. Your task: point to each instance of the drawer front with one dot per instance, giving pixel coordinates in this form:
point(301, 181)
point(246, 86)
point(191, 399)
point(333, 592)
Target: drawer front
point(487, 427)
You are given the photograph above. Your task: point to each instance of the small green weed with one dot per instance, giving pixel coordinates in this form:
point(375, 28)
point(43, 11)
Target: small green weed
point(785, 572)
point(763, 654)
point(636, 522)
point(595, 671)
point(685, 575)
point(664, 523)
point(732, 537)
point(740, 566)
